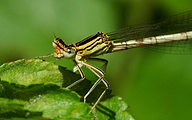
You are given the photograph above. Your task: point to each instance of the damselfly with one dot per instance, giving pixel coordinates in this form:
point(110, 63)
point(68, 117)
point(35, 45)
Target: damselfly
point(168, 31)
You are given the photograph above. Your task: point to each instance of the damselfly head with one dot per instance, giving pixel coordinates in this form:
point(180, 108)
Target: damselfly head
point(62, 50)
point(58, 42)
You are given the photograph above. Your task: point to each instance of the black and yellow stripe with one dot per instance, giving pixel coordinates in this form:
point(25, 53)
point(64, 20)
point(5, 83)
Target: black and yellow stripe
point(94, 45)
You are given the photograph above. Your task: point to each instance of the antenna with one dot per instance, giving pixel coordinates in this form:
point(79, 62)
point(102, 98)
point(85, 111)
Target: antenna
point(54, 35)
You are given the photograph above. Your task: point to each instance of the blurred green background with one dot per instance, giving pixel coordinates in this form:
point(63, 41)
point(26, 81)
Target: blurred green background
point(156, 86)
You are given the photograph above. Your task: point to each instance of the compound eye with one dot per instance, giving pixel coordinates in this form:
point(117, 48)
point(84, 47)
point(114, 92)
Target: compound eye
point(54, 45)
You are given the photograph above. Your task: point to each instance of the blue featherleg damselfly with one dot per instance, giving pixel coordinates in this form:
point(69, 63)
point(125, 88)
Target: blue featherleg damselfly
point(171, 35)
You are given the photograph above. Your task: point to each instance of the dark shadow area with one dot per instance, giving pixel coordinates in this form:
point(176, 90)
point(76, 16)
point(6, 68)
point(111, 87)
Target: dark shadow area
point(106, 111)
point(16, 111)
point(21, 92)
point(83, 87)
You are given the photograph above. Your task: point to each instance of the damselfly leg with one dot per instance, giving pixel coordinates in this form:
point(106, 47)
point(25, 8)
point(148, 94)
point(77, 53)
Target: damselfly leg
point(44, 56)
point(100, 60)
point(81, 73)
point(98, 72)
point(93, 87)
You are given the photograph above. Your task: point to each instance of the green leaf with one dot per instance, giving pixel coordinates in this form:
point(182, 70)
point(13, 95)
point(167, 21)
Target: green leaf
point(34, 89)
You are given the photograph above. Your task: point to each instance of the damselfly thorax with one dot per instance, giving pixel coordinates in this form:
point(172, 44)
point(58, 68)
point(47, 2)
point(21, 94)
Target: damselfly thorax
point(92, 46)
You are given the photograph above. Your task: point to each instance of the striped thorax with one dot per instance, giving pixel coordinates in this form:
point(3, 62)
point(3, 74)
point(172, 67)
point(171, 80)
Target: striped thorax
point(92, 46)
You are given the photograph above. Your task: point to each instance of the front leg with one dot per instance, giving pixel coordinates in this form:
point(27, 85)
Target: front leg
point(81, 73)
